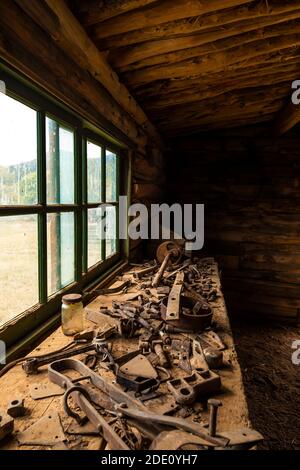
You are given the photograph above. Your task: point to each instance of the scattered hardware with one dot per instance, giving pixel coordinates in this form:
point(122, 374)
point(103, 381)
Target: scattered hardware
point(211, 339)
point(31, 365)
point(167, 253)
point(175, 440)
point(16, 408)
point(47, 431)
point(214, 405)
point(190, 318)
point(121, 286)
point(139, 366)
point(125, 406)
point(39, 391)
point(199, 359)
point(213, 357)
point(143, 272)
point(173, 306)
point(129, 386)
point(6, 425)
point(138, 384)
point(201, 382)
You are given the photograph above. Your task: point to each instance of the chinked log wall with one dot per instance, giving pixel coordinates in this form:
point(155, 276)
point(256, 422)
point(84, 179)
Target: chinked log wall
point(29, 45)
point(249, 182)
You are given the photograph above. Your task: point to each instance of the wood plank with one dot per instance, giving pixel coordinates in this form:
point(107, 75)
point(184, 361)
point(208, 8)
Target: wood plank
point(188, 26)
point(167, 50)
point(213, 62)
point(59, 22)
point(172, 89)
point(162, 12)
point(200, 93)
point(95, 11)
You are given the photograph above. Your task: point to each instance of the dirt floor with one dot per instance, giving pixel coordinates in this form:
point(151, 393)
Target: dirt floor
point(272, 381)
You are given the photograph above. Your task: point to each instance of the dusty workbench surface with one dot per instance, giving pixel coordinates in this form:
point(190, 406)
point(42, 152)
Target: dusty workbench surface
point(233, 413)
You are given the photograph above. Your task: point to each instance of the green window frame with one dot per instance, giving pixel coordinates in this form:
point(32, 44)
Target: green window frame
point(83, 132)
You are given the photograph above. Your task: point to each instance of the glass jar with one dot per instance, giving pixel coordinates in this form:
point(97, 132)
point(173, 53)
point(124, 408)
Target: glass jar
point(72, 314)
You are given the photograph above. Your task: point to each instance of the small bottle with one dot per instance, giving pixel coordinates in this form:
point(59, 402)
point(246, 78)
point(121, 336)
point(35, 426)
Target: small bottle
point(72, 314)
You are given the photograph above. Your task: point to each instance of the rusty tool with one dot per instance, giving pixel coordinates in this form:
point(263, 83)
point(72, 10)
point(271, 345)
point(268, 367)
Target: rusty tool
point(32, 364)
point(145, 271)
point(160, 272)
point(173, 306)
point(214, 406)
point(157, 346)
point(167, 253)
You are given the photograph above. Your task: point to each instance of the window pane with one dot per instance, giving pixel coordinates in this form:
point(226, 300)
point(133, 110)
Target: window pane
point(60, 163)
point(111, 177)
point(18, 265)
point(18, 152)
point(60, 247)
point(94, 172)
point(111, 245)
point(94, 236)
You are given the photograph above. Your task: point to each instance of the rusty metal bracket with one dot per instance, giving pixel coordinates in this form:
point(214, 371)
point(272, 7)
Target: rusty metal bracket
point(16, 408)
point(173, 306)
point(201, 382)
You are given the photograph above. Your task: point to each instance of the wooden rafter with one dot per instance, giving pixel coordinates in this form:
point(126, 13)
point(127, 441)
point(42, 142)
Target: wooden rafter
point(58, 21)
point(176, 49)
point(193, 25)
point(96, 11)
point(208, 64)
point(162, 12)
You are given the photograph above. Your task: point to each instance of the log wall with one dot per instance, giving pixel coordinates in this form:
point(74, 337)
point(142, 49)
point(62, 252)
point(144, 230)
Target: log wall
point(249, 182)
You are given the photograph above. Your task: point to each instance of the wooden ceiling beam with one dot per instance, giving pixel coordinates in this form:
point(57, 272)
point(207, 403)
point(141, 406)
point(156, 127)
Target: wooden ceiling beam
point(162, 12)
point(196, 24)
point(173, 50)
point(214, 47)
point(177, 91)
point(58, 21)
point(232, 124)
point(217, 62)
point(92, 12)
point(242, 100)
point(196, 96)
point(26, 47)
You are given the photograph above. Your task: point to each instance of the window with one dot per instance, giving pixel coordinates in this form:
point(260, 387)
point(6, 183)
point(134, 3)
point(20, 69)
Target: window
point(60, 163)
point(102, 191)
point(59, 189)
point(18, 153)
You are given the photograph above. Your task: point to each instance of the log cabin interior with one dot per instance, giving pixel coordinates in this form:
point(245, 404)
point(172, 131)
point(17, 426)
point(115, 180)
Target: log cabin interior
point(174, 102)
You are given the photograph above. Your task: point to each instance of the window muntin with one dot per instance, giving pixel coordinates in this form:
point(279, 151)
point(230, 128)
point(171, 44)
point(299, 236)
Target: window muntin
point(54, 195)
point(18, 153)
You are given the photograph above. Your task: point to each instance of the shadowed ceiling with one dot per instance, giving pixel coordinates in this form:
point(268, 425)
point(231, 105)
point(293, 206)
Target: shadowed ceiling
point(197, 65)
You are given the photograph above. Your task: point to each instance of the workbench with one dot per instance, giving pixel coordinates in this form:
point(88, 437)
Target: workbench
point(233, 413)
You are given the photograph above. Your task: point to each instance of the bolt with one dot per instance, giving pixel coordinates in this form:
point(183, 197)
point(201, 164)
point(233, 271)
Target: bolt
point(214, 405)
